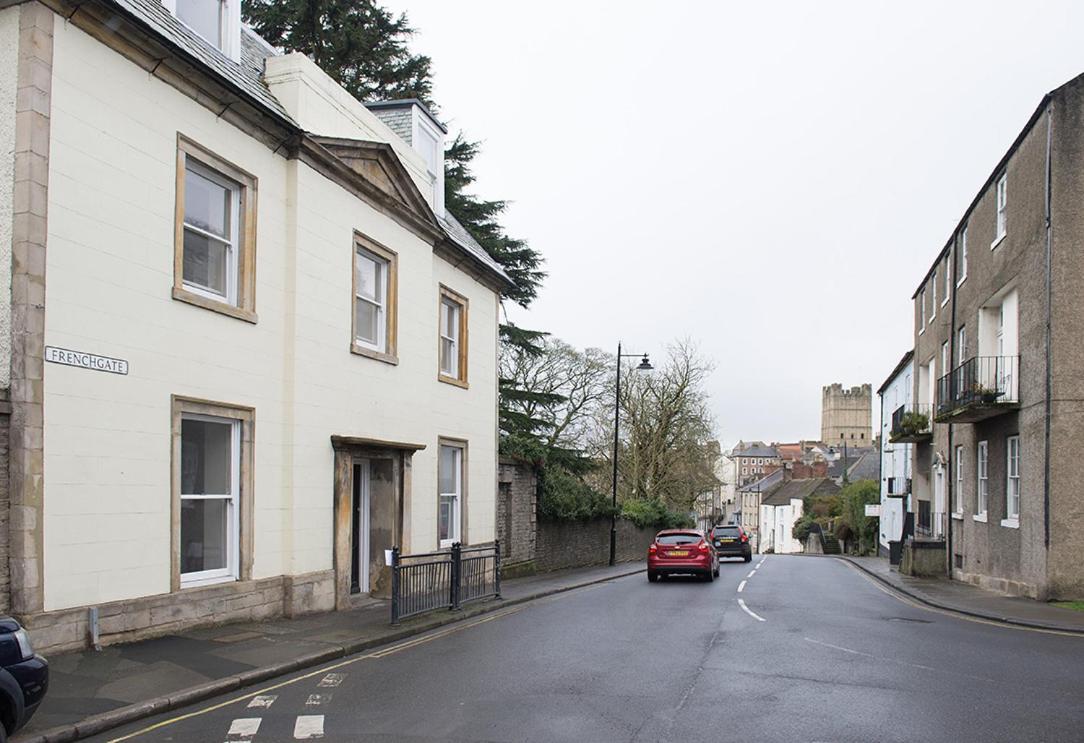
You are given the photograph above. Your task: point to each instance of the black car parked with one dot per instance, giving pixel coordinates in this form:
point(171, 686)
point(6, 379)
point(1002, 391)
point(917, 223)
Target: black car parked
point(732, 541)
point(24, 678)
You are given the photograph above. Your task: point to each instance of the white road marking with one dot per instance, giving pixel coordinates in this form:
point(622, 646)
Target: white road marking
point(741, 586)
point(761, 562)
point(750, 612)
point(751, 573)
point(308, 727)
point(244, 727)
point(315, 700)
point(332, 679)
point(263, 700)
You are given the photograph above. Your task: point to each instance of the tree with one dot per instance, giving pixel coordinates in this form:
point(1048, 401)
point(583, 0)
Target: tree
point(854, 498)
point(358, 43)
point(665, 452)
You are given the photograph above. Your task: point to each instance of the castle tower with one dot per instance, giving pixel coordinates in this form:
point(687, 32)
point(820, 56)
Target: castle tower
point(845, 415)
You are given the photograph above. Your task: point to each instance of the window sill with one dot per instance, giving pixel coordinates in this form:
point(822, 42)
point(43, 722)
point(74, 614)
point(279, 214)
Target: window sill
point(980, 517)
point(387, 358)
point(958, 516)
point(944, 301)
point(201, 582)
point(998, 240)
point(961, 281)
point(1011, 523)
point(223, 308)
point(453, 381)
point(922, 330)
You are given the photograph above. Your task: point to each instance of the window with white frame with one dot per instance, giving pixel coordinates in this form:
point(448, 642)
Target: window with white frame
point(374, 300)
point(961, 256)
point(450, 503)
point(948, 280)
point(933, 295)
point(453, 337)
point(1012, 479)
point(922, 311)
point(371, 298)
point(218, 22)
point(957, 492)
point(982, 490)
point(210, 471)
point(1002, 202)
point(215, 251)
point(212, 206)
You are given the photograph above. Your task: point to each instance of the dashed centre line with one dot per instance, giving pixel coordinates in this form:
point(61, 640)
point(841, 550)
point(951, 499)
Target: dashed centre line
point(751, 573)
point(741, 586)
point(749, 611)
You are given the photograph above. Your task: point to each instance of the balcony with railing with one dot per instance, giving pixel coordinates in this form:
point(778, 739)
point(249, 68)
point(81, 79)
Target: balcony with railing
point(979, 388)
point(911, 424)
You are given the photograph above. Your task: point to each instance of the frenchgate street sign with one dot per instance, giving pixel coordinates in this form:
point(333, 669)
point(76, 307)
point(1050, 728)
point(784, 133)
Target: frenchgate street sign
point(85, 360)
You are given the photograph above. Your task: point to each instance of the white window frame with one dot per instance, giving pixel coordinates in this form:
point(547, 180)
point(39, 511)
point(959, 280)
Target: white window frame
point(982, 480)
point(233, 525)
point(922, 316)
point(456, 525)
point(1002, 196)
point(420, 122)
point(233, 240)
point(933, 294)
point(961, 246)
point(1012, 482)
point(230, 43)
point(450, 314)
point(948, 278)
point(957, 492)
point(380, 301)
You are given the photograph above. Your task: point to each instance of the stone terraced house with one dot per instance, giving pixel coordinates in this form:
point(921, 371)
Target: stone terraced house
point(246, 351)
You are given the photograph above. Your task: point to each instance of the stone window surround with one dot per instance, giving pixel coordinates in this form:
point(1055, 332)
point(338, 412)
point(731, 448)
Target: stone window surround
point(245, 308)
point(179, 406)
point(391, 314)
point(461, 380)
point(464, 488)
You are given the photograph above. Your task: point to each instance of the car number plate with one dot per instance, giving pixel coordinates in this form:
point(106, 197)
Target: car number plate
point(728, 540)
point(679, 553)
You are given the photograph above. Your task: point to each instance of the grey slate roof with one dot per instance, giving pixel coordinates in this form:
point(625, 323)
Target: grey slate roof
point(244, 76)
point(754, 450)
point(464, 239)
point(763, 484)
point(799, 489)
point(868, 467)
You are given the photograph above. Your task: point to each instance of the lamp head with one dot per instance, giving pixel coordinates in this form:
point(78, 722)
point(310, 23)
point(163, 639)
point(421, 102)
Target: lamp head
point(645, 365)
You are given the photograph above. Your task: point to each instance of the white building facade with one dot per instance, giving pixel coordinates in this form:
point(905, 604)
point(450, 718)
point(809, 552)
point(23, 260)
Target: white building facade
point(896, 398)
point(250, 351)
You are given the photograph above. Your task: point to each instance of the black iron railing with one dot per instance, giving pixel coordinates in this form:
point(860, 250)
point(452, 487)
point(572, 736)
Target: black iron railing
point(443, 580)
point(981, 380)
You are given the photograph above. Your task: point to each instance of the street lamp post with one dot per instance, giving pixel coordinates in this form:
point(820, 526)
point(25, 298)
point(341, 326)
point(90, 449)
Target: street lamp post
point(644, 365)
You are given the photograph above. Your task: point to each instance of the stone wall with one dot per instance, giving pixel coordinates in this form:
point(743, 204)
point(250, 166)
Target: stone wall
point(569, 544)
point(517, 506)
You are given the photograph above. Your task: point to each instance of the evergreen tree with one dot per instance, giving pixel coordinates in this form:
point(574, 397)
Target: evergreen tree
point(358, 42)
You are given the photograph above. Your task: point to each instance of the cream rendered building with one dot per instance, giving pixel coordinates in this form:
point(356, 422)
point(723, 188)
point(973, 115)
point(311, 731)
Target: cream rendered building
point(249, 350)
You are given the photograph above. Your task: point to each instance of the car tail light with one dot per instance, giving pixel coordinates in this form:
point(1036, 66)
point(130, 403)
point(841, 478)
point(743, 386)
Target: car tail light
point(745, 537)
point(652, 549)
point(703, 546)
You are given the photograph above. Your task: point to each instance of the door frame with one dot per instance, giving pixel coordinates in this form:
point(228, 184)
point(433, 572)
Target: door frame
point(348, 450)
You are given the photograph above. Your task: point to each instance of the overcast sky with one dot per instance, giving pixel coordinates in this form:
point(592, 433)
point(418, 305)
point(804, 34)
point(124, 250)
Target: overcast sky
point(771, 180)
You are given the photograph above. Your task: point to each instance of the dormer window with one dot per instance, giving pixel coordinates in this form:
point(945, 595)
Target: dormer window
point(429, 143)
point(218, 22)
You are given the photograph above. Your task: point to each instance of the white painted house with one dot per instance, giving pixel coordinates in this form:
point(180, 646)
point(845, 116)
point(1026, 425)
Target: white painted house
point(780, 511)
point(250, 349)
point(899, 414)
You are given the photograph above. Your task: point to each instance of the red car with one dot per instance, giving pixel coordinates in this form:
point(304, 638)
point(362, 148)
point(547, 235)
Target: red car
point(685, 551)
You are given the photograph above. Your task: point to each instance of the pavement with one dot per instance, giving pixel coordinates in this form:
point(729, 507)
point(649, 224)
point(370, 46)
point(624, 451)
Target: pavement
point(91, 691)
point(784, 649)
point(973, 601)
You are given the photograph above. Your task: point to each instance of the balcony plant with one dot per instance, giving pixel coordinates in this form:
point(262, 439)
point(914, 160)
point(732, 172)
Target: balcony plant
point(986, 394)
point(913, 423)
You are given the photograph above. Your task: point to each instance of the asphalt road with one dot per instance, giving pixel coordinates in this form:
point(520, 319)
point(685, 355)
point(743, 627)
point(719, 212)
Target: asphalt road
point(818, 653)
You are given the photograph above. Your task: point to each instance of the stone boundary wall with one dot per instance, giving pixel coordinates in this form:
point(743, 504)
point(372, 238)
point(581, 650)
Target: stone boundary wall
point(572, 544)
point(517, 506)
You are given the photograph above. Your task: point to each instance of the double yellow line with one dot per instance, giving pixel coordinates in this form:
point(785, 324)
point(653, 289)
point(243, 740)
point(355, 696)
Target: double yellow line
point(383, 653)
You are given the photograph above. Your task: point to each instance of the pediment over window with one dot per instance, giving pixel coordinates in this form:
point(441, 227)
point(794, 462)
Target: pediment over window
point(377, 164)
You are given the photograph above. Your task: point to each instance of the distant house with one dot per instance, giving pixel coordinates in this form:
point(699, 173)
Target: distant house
point(780, 510)
point(902, 423)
